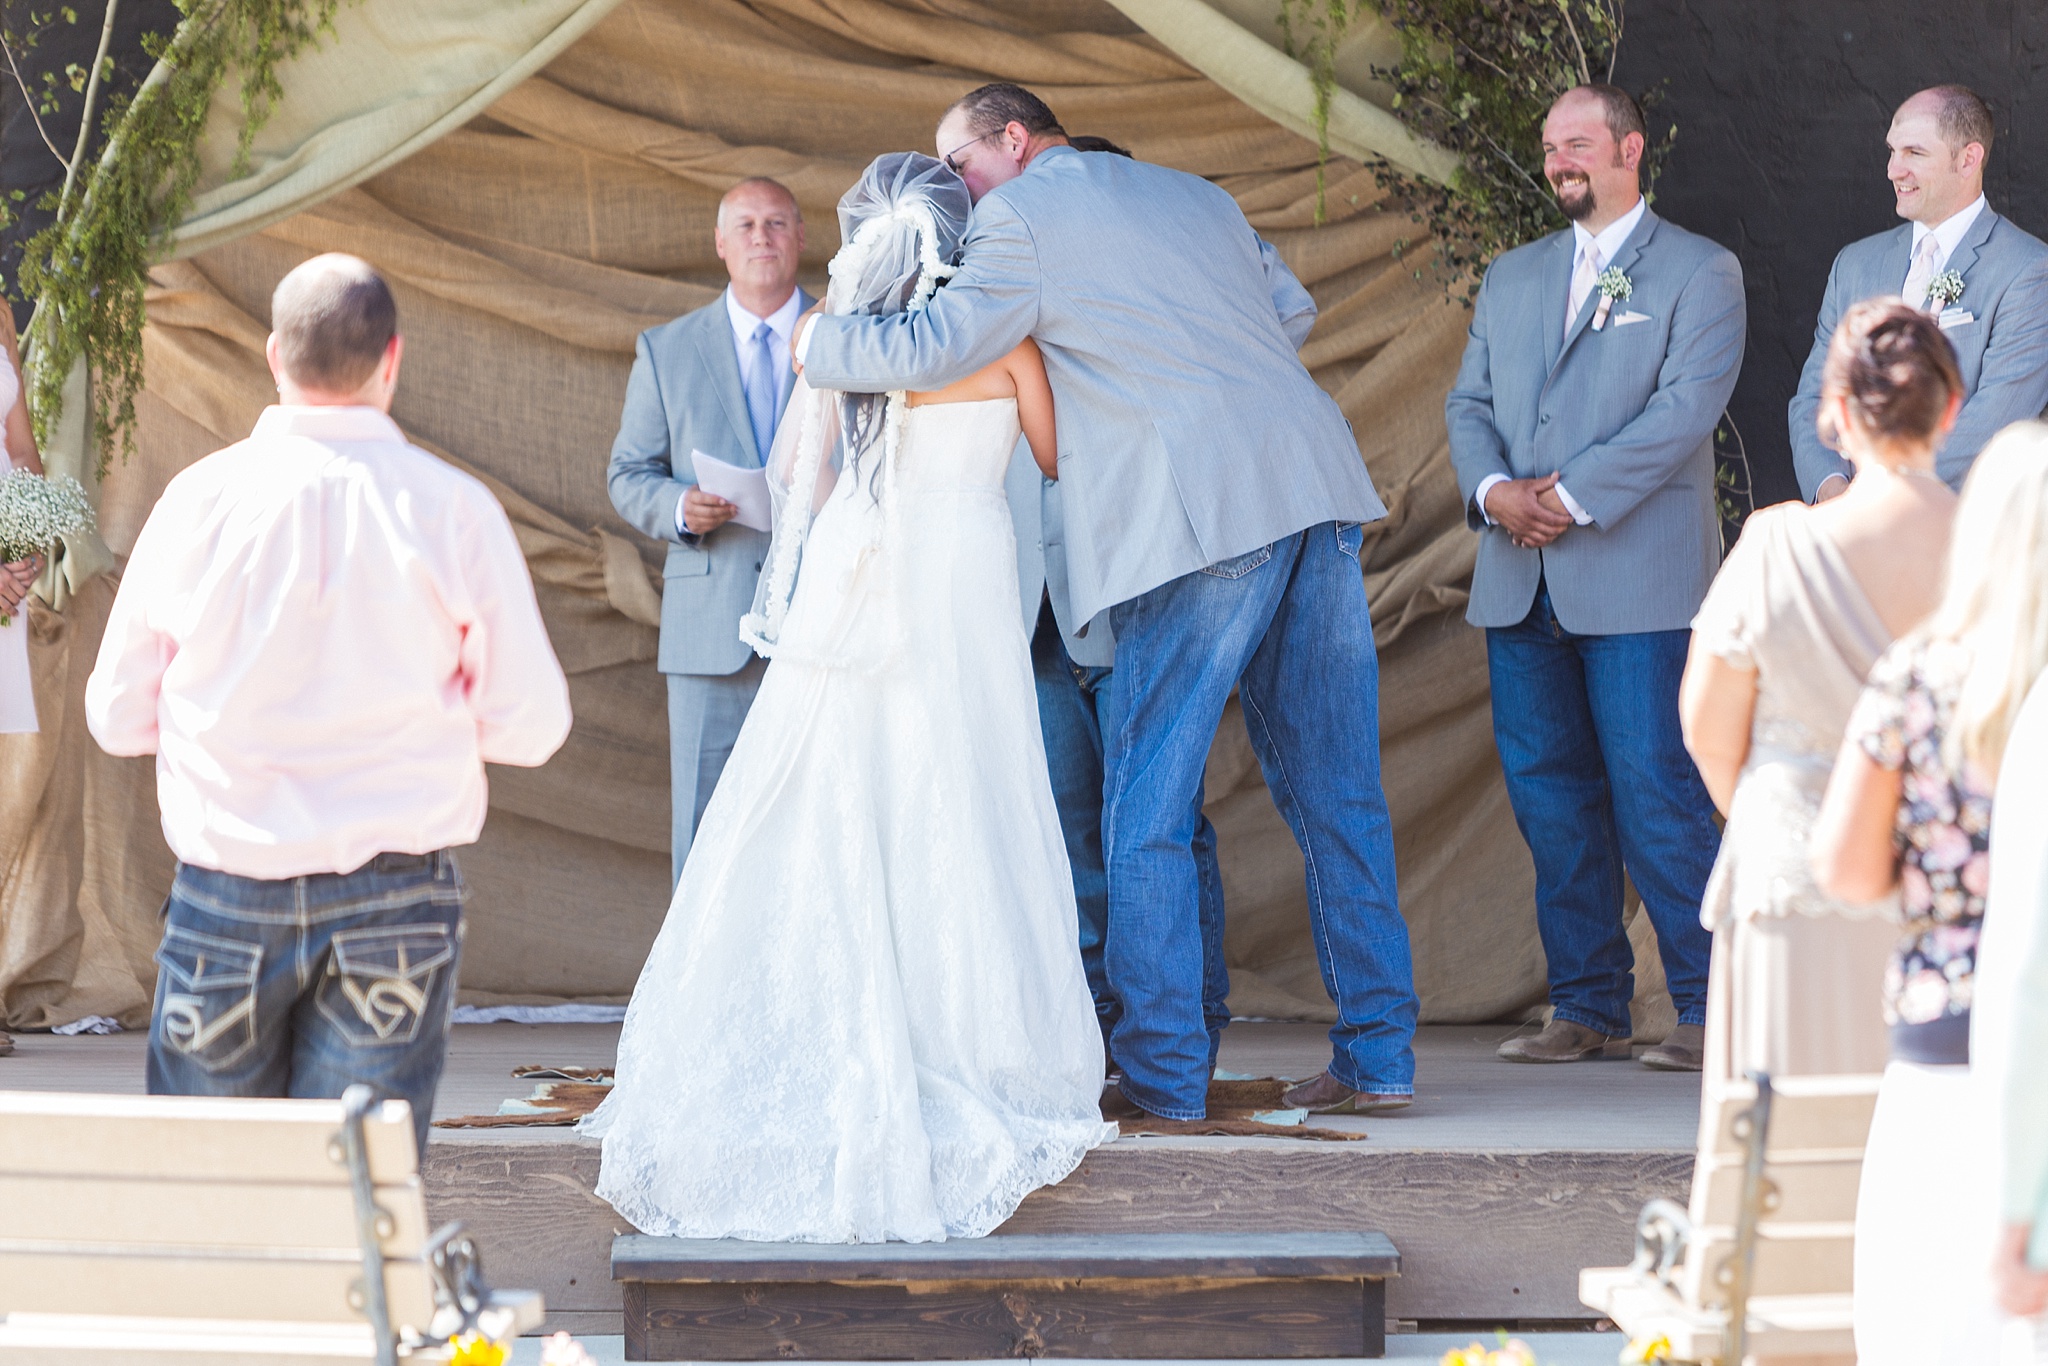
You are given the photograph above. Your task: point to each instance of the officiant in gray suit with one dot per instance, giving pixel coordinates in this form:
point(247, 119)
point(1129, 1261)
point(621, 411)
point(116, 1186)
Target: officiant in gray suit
point(1582, 432)
point(1984, 279)
point(715, 381)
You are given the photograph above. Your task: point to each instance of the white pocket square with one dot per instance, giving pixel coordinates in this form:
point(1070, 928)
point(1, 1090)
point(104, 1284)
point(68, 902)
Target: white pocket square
point(1955, 317)
point(1626, 318)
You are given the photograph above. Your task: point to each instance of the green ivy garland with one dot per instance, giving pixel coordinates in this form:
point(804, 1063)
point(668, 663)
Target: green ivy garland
point(89, 268)
point(1476, 77)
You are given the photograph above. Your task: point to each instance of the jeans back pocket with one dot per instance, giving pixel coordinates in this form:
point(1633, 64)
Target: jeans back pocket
point(1238, 566)
point(209, 996)
point(379, 981)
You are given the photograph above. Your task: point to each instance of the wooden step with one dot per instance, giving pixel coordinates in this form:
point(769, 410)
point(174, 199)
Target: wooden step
point(1190, 1295)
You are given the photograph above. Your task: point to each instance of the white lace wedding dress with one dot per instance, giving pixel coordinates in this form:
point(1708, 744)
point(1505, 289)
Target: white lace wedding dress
point(865, 1018)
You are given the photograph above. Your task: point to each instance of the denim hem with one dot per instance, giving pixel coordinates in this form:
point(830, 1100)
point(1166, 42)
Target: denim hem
point(1161, 1112)
point(1580, 1017)
point(1371, 1088)
point(1694, 1017)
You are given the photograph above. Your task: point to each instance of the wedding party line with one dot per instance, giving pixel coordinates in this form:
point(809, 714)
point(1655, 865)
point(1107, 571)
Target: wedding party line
point(963, 563)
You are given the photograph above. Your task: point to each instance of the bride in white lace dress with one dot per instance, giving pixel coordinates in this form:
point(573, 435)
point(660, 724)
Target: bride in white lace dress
point(865, 1017)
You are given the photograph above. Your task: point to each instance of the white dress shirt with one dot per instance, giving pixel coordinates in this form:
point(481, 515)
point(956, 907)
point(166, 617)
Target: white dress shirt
point(323, 634)
point(1604, 244)
point(782, 322)
point(1947, 235)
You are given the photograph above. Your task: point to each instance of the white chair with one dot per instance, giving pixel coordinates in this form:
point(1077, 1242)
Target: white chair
point(164, 1230)
point(1758, 1267)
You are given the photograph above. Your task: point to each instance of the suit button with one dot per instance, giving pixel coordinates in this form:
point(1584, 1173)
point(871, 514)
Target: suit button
point(1546, 417)
point(757, 566)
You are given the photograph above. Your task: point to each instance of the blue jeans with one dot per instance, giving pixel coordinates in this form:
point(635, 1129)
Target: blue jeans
point(1600, 781)
point(1288, 626)
point(304, 986)
point(1069, 704)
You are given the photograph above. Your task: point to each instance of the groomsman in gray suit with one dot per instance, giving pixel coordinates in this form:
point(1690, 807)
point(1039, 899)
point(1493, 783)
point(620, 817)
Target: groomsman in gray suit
point(1211, 502)
point(1983, 277)
point(1581, 429)
point(715, 381)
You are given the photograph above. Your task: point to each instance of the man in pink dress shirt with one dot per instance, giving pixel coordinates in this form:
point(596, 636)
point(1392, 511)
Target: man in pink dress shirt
point(323, 634)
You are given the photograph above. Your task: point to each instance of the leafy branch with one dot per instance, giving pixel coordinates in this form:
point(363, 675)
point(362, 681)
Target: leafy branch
point(88, 269)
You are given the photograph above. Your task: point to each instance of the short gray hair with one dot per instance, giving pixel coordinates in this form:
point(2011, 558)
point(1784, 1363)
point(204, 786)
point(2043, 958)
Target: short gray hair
point(334, 318)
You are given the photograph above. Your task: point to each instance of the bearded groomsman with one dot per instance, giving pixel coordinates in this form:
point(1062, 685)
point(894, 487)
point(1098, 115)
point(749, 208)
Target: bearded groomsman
point(715, 381)
point(1980, 275)
point(1581, 429)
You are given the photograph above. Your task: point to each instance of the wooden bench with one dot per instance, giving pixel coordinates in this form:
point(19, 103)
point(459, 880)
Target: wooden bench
point(161, 1230)
point(1188, 1295)
point(1758, 1266)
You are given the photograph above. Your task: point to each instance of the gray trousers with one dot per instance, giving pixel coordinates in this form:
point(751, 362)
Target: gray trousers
point(705, 712)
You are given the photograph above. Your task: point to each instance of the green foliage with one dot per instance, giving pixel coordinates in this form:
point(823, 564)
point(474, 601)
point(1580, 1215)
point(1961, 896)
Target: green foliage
point(88, 270)
point(1476, 77)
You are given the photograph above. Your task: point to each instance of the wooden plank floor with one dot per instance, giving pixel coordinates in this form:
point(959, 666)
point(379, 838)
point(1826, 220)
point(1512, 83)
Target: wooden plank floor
point(1497, 1186)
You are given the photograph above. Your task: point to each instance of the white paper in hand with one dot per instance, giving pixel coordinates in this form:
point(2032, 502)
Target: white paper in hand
point(746, 489)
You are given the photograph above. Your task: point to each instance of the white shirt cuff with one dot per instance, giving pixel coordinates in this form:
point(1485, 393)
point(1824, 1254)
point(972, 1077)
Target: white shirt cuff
point(681, 530)
point(1479, 496)
point(1571, 505)
point(803, 339)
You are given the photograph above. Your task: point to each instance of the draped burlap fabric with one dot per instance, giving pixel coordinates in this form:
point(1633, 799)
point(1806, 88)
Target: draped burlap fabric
point(530, 246)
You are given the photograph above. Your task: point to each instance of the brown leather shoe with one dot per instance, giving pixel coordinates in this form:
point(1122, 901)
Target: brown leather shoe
point(6, 1044)
point(1684, 1049)
point(1323, 1094)
point(1562, 1041)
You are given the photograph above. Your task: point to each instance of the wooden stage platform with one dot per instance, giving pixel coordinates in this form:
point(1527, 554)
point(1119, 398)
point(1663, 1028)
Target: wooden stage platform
point(1497, 1186)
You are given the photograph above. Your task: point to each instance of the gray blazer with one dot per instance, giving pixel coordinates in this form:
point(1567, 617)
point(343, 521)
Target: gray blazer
point(1999, 329)
point(1042, 559)
point(685, 395)
point(1626, 414)
point(1189, 431)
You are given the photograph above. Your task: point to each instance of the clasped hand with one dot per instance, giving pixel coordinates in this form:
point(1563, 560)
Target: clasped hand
point(1529, 510)
point(15, 581)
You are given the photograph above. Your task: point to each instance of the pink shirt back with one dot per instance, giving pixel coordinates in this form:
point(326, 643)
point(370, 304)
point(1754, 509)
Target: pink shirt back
point(323, 634)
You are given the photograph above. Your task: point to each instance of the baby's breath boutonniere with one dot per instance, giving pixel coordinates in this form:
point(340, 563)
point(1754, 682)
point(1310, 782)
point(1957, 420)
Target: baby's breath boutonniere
point(1614, 286)
point(1943, 290)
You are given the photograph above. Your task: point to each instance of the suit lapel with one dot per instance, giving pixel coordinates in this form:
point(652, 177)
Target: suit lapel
point(1557, 292)
point(722, 363)
point(1897, 260)
point(1631, 247)
point(1965, 254)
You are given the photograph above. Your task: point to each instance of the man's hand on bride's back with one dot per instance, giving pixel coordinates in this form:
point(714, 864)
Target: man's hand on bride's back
point(796, 335)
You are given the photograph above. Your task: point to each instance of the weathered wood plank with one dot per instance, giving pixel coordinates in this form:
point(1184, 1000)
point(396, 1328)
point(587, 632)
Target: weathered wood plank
point(212, 1214)
point(183, 1286)
point(1040, 1256)
point(953, 1320)
point(172, 1138)
point(1482, 1235)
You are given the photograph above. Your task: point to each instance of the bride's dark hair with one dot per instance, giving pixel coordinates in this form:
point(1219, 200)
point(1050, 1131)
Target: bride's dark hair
point(901, 226)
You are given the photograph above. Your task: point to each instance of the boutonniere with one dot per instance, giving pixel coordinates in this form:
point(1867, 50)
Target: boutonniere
point(1944, 289)
point(1614, 287)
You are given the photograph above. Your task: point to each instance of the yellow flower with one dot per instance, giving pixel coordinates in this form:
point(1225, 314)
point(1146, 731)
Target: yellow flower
point(474, 1349)
point(1475, 1355)
point(1645, 1351)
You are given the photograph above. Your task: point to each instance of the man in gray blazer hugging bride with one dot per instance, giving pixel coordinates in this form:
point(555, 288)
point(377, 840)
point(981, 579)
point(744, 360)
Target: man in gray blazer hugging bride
point(1581, 427)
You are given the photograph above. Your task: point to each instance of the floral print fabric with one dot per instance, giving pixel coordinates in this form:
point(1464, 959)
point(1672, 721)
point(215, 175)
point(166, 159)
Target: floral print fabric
point(1943, 834)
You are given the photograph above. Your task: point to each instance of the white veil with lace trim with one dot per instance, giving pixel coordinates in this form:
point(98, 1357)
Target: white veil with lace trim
point(901, 224)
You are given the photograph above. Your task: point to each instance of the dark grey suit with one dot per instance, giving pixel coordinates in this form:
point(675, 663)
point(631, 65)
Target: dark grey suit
point(685, 395)
point(1999, 329)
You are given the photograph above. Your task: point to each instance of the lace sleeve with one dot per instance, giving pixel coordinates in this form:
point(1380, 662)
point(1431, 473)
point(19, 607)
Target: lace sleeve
point(1727, 621)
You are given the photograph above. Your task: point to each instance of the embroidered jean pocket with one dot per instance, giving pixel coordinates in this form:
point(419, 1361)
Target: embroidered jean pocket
point(379, 982)
point(209, 996)
point(1350, 536)
point(1239, 566)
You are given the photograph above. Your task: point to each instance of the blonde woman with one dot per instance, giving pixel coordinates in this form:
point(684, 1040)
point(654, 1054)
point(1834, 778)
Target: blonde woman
point(1806, 603)
point(1909, 810)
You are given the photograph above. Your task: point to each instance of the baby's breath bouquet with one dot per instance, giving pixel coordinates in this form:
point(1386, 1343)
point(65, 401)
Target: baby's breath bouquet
point(35, 511)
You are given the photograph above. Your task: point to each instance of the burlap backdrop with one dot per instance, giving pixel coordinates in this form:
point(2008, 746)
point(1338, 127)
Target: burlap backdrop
point(529, 247)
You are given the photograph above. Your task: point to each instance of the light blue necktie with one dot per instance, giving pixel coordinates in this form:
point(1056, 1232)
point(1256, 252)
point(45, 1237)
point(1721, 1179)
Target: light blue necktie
point(763, 389)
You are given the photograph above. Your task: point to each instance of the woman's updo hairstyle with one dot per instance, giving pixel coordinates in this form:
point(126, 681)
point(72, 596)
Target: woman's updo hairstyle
point(1897, 370)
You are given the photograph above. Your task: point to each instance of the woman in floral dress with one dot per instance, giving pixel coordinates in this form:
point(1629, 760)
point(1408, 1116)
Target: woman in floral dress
point(1909, 806)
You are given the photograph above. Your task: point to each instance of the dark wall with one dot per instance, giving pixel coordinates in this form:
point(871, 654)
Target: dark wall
point(1782, 108)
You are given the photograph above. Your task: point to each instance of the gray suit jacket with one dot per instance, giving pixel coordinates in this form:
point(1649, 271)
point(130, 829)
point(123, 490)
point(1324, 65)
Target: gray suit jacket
point(1626, 414)
point(1042, 559)
point(2001, 345)
point(685, 395)
point(1188, 430)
